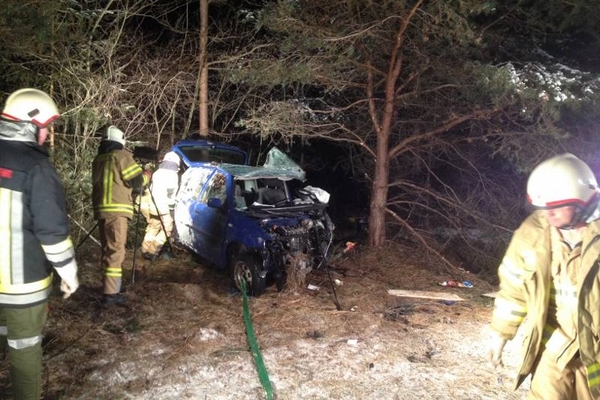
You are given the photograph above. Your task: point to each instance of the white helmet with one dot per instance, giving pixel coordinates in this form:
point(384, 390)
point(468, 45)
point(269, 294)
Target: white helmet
point(31, 105)
point(171, 156)
point(562, 180)
point(115, 134)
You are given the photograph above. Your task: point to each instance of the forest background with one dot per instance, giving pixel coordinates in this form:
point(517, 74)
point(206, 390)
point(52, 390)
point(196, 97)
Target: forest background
point(422, 118)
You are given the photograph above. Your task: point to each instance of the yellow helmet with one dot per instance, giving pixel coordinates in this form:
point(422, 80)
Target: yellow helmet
point(31, 105)
point(562, 180)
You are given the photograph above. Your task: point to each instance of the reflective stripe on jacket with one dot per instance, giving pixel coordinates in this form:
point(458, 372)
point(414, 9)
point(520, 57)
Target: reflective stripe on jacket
point(112, 176)
point(34, 230)
point(525, 286)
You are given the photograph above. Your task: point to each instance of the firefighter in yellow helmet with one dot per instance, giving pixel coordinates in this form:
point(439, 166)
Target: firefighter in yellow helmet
point(115, 174)
point(34, 236)
point(156, 205)
point(549, 283)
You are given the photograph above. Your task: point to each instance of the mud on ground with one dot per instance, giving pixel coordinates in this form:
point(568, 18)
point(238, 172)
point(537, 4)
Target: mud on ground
point(182, 335)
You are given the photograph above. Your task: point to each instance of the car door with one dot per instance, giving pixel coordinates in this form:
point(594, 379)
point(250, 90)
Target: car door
point(209, 222)
point(192, 183)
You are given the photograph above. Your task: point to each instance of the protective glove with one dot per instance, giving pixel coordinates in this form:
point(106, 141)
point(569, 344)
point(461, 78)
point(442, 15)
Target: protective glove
point(495, 347)
point(69, 282)
point(147, 177)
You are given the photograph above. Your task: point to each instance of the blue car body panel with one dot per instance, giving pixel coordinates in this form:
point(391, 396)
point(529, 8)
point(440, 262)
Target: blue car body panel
point(210, 229)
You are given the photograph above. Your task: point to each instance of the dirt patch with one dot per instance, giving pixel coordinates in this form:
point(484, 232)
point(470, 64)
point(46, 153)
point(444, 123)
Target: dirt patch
point(182, 336)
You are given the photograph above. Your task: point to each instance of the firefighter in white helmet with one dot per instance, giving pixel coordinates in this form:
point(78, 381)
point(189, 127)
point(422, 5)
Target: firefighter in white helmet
point(156, 205)
point(115, 175)
point(549, 284)
point(35, 236)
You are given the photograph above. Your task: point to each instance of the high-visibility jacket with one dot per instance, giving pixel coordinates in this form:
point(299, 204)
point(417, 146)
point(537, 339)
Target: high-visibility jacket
point(525, 290)
point(114, 176)
point(34, 229)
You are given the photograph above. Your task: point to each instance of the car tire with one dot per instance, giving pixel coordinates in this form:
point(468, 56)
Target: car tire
point(247, 267)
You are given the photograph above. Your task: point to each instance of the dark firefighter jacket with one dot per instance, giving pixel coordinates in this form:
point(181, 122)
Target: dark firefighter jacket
point(525, 289)
point(34, 230)
point(114, 176)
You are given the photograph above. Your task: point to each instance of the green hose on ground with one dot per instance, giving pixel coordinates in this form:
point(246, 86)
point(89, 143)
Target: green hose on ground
point(263, 375)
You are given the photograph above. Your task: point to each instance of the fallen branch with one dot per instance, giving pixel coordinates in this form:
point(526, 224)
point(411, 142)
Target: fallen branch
point(88, 233)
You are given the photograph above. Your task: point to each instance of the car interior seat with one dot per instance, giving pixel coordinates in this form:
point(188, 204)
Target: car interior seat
point(271, 192)
point(245, 193)
point(239, 200)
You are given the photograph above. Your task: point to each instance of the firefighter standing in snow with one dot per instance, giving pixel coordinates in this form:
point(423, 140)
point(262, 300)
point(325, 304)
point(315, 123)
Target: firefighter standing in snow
point(34, 236)
point(549, 282)
point(157, 203)
point(114, 176)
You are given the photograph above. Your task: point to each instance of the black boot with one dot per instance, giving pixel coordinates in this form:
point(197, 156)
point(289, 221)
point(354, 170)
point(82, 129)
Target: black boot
point(148, 256)
point(167, 255)
point(110, 300)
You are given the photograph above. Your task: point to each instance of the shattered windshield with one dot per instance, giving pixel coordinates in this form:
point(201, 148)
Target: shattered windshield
point(277, 165)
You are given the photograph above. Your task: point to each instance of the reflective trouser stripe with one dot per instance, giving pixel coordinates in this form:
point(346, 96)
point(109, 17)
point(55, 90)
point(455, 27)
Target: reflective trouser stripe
point(113, 271)
point(3, 330)
point(24, 343)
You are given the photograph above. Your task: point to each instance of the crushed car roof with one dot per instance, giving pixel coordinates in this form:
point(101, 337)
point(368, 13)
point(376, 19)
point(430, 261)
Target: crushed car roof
point(194, 152)
point(277, 165)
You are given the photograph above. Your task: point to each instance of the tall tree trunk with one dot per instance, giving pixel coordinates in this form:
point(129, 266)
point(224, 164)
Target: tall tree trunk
point(203, 103)
point(379, 193)
point(382, 125)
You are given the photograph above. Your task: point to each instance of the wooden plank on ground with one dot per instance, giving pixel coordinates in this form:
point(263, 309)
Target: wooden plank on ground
point(493, 295)
point(425, 295)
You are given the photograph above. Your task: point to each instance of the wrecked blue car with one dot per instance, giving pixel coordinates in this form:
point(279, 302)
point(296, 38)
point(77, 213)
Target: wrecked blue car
point(260, 223)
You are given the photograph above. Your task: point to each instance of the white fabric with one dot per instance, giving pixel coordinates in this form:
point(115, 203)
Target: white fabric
point(164, 188)
point(69, 282)
point(320, 194)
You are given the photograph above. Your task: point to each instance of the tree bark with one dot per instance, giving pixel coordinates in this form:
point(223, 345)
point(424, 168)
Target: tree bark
point(203, 103)
point(379, 194)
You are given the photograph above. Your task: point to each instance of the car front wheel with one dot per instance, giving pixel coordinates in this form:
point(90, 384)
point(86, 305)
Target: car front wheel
point(245, 267)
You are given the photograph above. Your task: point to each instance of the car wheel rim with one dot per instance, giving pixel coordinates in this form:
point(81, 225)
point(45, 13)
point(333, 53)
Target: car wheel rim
point(242, 272)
